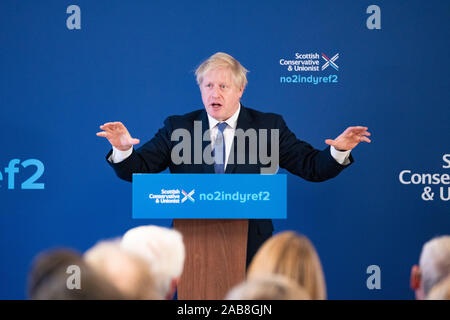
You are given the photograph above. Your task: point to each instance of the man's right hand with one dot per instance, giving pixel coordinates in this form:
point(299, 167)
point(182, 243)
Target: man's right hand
point(118, 135)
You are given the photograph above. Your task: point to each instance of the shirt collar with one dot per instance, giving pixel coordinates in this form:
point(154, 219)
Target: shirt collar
point(231, 121)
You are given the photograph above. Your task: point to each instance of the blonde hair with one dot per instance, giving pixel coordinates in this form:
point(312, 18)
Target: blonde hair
point(269, 287)
point(223, 60)
point(294, 257)
point(127, 272)
point(434, 262)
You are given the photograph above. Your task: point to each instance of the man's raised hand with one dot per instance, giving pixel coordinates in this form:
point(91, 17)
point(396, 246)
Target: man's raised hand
point(349, 138)
point(118, 135)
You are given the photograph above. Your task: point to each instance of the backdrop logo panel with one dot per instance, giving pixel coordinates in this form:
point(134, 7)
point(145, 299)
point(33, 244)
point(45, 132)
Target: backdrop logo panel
point(430, 181)
point(209, 196)
point(313, 63)
point(330, 62)
point(14, 168)
point(187, 196)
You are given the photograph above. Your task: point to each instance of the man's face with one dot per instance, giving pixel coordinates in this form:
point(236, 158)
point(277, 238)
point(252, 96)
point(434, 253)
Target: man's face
point(220, 94)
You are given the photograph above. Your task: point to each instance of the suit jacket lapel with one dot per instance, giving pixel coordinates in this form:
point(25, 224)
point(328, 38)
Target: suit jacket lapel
point(207, 168)
point(244, 122)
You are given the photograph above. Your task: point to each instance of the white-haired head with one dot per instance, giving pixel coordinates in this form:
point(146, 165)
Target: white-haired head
point(434, 262)
point(162, 248)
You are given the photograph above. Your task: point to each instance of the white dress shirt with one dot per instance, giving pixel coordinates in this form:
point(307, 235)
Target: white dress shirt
point(118, 156)
point(228, 133)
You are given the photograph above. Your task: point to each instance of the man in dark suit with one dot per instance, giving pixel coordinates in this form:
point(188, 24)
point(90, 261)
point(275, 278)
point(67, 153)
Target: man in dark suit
point(222, 80)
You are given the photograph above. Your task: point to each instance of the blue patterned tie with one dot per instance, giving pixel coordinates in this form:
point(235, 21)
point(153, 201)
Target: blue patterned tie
point(219, 149)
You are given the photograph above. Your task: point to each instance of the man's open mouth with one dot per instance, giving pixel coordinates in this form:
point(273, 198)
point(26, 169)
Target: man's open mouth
point(216, 105)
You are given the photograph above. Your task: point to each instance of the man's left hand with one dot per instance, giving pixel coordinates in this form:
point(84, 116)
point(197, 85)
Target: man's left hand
point(349, 138)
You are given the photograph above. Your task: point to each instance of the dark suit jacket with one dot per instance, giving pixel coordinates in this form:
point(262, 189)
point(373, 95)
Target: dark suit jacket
point(296, 156)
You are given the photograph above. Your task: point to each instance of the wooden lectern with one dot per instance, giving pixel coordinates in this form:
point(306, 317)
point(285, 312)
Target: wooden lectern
point(216, 251)
point(216, 247)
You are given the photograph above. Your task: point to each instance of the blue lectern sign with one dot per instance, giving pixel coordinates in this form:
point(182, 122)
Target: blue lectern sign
point(209, 196)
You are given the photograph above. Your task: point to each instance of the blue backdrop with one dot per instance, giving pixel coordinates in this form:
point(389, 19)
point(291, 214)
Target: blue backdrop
point(133, 61)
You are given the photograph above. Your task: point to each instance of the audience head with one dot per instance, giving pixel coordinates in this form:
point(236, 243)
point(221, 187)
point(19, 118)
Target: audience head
point(434, 266)
point(54, 273)
point(269, 287)
point(293, 256)
point(163, 250)
point(128, 272)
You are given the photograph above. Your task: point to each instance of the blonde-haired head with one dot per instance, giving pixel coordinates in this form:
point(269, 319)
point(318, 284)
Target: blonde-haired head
point(222, 60)
point(293, 256)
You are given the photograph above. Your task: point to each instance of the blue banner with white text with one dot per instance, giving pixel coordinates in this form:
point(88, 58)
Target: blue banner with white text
point(209, 196)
